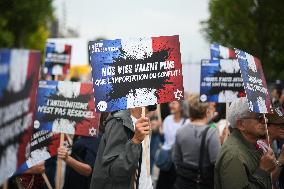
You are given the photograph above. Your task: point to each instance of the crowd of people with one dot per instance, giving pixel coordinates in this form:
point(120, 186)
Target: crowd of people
point(187, 144)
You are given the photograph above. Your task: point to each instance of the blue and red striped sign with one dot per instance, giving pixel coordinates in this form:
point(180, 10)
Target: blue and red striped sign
point(18, 84)
point(254, 83)
point(221, 52)
point(57, 59)
point(136, 72)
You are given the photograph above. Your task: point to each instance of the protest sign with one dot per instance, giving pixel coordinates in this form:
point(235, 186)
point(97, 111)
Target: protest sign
point(43, 145)
point(136, 72)
point(220, 52)
point(57, 59)
point(254, 83)
point(220, 81)
point(18, 83)
point(66, 107)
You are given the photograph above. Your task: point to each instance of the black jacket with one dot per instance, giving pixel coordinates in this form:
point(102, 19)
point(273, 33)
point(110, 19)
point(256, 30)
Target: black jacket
point(118, 157)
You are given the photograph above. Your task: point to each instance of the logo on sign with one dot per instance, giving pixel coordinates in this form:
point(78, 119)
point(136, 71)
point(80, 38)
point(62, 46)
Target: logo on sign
point(102, 106)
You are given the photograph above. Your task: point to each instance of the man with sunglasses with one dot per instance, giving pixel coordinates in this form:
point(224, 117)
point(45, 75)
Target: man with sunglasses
point(240, 164)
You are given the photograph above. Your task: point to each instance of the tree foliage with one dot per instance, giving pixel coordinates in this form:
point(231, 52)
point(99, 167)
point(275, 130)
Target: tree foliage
point(23, 23)
point(255, 26)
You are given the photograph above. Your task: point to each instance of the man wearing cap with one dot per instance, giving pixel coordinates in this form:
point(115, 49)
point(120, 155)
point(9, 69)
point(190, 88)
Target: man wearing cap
point(240, 164)
point(275, 128)
point(276, 132)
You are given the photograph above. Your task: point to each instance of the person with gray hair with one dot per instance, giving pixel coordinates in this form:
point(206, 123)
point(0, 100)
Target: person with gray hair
point(240, 163)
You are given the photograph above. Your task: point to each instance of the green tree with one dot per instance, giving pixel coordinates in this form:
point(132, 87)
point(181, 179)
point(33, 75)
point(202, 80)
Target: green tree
point(23, 23)
point(255, 26)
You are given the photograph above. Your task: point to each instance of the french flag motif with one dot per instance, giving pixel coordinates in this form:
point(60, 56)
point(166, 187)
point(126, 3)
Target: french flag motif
point(220, 52)
point(254, 83)
point(18, 84)
point(57, 58)
point(142, 58)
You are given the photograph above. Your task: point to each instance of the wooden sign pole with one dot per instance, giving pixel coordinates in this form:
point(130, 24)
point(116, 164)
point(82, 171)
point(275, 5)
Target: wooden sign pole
point(227, 122)
point(268, 139)
point(5, 185)
point(146, 146)
point(59, 165)
point(46, 181)
point(267, 134)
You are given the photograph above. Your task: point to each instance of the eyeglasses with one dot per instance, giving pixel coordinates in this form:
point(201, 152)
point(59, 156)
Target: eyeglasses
point(261, 119)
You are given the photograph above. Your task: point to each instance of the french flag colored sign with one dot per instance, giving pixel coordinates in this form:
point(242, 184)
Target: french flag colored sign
point(43, 145)
point(136, 72)
point(254, 83)
point(221, 81)
point(57, 59)
point(66, 107)
point(19, 71)
point(220, 52)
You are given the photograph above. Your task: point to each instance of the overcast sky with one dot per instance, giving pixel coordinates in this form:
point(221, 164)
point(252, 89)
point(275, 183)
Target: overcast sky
point(140, 18)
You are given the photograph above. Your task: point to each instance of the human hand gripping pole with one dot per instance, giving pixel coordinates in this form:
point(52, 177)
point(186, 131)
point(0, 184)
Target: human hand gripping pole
point(59, 165)
point(268, 161)
point(142, 130)
point(147, 144)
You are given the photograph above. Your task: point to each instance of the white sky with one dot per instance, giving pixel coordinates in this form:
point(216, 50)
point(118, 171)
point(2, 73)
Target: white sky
point(140, 18)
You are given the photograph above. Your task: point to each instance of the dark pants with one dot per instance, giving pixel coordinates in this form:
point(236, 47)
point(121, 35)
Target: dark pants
point(166, 179)
point(183, 183)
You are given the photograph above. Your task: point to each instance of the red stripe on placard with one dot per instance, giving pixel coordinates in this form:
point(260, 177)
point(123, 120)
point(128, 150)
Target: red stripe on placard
point(174, 83)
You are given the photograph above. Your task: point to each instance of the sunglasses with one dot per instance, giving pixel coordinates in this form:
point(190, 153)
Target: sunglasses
point(261, 119)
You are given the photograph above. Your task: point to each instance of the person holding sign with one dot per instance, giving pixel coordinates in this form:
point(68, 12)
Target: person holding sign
point(80, 162)
point(240, 164)
point(82, 159)
point(120, 162)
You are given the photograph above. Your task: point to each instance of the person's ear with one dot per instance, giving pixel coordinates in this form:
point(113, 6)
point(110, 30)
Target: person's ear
point(207, 114)
point(240, 125)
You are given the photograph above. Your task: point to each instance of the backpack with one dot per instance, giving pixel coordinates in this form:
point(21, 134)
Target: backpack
point(197, 177)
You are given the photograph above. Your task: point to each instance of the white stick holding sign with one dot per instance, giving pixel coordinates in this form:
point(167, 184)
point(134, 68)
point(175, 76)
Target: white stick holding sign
point(59, 165)
point(266, 128)
point(146, 146)
point(268, 140)
point(227, 122)
point(46, 181)
point(227, 114)
point(5, 185)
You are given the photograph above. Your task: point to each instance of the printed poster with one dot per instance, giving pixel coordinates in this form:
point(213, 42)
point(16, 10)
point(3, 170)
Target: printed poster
point(221, 81)
point(254, 83)
point(136, 72)
point(66, 107)
point(19, 71)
